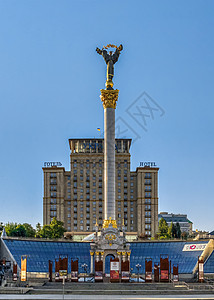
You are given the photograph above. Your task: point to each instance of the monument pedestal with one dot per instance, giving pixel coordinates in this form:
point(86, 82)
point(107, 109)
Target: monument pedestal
point(110, 241)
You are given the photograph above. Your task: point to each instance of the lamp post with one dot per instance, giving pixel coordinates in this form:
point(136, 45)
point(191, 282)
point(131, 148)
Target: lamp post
point(138, 266)
point(85, 266)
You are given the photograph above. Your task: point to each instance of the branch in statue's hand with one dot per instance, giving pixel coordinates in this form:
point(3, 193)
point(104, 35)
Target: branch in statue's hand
point(98, 51)
point(120, 48)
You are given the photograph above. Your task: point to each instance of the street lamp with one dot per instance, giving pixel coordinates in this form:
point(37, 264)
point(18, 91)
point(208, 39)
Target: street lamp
point(138, 266)
point(85, 266)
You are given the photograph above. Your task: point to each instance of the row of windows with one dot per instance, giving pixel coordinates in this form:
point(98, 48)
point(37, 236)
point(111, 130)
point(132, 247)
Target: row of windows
point(125, 203)
point(81, 228)
point(94, 164)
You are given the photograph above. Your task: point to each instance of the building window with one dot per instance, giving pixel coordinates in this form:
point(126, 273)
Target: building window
point(147, 175)
point(69, 215)
point(147, 194)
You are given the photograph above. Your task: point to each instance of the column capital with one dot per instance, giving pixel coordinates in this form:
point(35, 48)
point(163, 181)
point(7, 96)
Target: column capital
point(109, 98)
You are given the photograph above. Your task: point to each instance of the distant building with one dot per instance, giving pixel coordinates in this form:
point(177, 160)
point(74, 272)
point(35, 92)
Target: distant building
point(76, 197)
point(184, 222)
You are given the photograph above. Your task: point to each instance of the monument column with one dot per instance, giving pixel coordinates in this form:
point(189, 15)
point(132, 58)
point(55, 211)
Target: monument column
point(109, 98)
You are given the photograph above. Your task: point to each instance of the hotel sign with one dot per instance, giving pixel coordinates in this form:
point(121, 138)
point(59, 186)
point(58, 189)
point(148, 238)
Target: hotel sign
point(194, 247)
point(52, 164)
point(147, 164)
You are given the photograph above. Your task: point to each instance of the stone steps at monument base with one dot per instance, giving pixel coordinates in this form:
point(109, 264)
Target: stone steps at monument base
point(121, 289)
point(120, 292)
point(110, 286)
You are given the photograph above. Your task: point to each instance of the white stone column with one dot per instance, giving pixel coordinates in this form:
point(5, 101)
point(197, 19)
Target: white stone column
point(109, 163)
point(109, 99)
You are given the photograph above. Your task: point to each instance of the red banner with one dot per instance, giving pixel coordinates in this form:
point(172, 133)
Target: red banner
point(114, 275)
point(164, 275)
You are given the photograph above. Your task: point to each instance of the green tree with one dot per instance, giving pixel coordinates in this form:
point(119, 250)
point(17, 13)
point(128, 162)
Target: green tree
point(170, 230)
point(10, 228)
point(174, 231)
point(30, 231)
point(38, 230)
point(45, 232)
point(178, 231)
point(1, 227)
point(19, 231)
point(163, 229)
point(57, 229)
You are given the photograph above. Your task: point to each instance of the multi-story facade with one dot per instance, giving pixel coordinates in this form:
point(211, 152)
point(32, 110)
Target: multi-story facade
point(184, 222)
point(76, 196)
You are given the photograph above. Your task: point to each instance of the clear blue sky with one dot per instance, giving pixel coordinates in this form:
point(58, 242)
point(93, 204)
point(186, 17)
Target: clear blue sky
point(50, 81)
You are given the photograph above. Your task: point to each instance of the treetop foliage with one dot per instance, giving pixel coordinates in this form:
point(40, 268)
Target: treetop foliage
point(53, 231)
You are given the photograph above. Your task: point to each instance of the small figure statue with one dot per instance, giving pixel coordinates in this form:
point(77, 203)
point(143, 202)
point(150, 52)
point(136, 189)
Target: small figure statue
point(110, 59)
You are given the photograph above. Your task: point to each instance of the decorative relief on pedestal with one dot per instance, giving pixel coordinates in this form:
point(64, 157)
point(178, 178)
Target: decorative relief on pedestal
point(97, 253)
point(106, 223)
point(109, 98)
